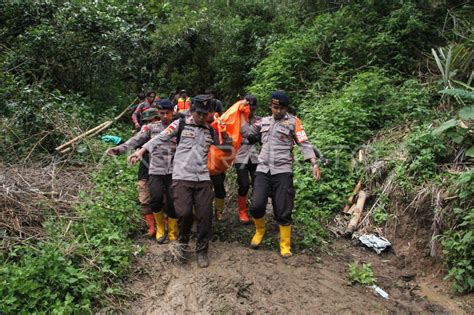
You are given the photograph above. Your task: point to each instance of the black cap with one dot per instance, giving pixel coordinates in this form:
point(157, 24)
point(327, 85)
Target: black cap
point(165, 104)
point(201, 103)
point(280, 98)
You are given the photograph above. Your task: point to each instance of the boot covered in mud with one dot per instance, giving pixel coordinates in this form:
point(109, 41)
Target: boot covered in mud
point(160, 227)
point(172, 229)
point(150, 222)
point(259, 233)
point(285, 241)
point(179, 251)
point(202, 259)
point(219, 208)
point(243, 218)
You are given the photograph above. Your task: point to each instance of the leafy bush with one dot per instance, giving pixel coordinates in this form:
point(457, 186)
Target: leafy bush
point(38, 119)
point(423, 151)
point(337, 45)
point(458, 241)
point(339, 124)
point(456, 132)
point(362, 275)
point(76, 46)
point(75, 266)
point(380, 214)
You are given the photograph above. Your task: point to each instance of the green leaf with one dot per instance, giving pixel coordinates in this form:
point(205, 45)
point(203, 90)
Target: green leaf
point(470, 152)
point(81, 148)
point(458, 92)
point(445, 126)
point(467, 112)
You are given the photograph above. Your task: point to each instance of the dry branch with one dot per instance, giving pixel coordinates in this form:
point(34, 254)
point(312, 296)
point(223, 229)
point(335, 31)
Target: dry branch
point(28, 194)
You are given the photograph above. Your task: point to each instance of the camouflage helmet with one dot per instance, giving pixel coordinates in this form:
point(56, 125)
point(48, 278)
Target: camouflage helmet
point(150, 113)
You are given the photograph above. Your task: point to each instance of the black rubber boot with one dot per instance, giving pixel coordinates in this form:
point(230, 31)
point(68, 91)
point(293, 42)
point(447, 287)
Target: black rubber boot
point(202, 259)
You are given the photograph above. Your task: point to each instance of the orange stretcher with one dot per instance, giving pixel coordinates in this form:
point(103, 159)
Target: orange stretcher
point(220, 160)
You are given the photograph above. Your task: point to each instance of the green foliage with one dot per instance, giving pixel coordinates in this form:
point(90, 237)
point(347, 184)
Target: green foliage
point(360, 274)
point(380, 214)
point(459, 92)
point(38, 119)
point(338, 125)
point(337, 45)
point(456, 133)
point(423, 151)
point(76, 46)
point(458, 242)
point(73, 268)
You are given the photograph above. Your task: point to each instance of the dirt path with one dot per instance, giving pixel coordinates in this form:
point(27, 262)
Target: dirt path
point(240, 280)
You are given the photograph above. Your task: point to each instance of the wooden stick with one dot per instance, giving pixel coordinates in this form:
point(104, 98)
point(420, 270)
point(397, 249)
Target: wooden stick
point(356, 214)
point(357, 188)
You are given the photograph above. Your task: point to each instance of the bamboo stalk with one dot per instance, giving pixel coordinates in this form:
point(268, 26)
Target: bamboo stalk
point(356, 213)
point(110, 122)
point(81, 136)
point(64, 151)
point(94, 131)
point(356, 190)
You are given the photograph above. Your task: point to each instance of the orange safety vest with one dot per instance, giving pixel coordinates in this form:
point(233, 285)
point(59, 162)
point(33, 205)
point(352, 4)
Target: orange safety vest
point(184, 104)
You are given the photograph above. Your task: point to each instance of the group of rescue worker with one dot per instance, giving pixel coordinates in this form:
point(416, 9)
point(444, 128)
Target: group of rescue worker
point(175, 187)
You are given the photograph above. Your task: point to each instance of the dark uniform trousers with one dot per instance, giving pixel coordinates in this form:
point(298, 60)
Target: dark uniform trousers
point(218, 183)
point(245, 177)
point(200, 194)
point(160, 193)
point(280, 188)
point(143, 168)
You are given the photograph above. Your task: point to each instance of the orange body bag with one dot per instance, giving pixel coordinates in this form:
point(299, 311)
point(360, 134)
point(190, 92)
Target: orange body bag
point(219, 161)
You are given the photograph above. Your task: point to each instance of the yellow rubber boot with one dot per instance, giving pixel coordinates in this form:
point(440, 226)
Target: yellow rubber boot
point(259, 233)
point(172, 229)
point(285, 241)
point(219, 208)
point(160, 227)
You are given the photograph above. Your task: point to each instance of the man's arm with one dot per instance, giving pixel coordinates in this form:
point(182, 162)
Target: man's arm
point(248, 130)
point(134, 142)
point(306, 148)
point(135, 115)
point(170, 132)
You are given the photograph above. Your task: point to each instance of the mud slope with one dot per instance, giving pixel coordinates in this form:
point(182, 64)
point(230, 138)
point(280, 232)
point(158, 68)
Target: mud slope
point(240, 280)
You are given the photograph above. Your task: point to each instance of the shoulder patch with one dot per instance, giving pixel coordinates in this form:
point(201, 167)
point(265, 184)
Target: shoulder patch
point(145, 128)
point(300, 134)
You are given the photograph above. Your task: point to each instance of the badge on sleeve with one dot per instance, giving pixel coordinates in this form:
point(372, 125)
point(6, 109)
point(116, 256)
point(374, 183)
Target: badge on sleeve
point(299, 132)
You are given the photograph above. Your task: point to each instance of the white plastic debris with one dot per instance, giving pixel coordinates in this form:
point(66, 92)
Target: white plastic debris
point(377, 243)
point(380, 291)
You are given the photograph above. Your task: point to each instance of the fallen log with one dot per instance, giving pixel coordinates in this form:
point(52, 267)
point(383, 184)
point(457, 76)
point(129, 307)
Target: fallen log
point(356, 213)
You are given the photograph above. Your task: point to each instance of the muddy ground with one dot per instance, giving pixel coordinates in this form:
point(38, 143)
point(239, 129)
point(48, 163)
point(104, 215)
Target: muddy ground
point(241, 280)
